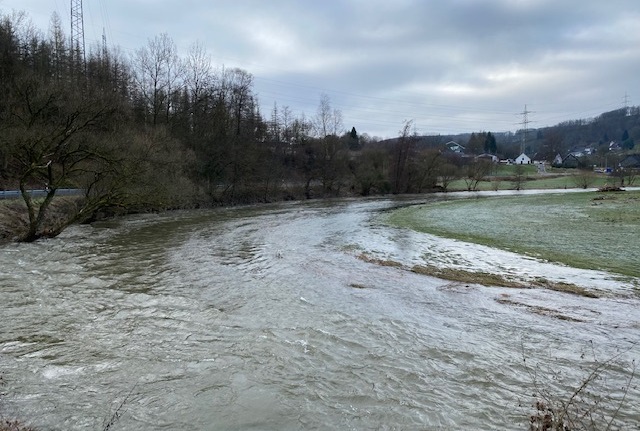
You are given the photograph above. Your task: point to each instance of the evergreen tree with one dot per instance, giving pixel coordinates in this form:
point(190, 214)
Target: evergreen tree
point(490, 145)
point(354, 140)
point(627, 141)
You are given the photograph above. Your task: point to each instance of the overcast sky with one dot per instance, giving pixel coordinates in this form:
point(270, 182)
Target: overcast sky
point(450, 65)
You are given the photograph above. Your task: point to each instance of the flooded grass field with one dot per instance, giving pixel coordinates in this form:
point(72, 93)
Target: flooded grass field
point(586, 230)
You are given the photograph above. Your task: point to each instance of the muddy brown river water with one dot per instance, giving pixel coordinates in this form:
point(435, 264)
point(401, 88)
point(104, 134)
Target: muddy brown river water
point(264, 318)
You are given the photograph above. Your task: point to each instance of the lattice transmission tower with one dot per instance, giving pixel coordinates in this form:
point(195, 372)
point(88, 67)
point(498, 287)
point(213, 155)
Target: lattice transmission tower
point(525, 124)
point(625, 101)
point(77, 31)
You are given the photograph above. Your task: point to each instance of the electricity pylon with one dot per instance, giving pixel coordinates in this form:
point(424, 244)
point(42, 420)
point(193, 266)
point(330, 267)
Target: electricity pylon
point(77, 32)
point(525, 123)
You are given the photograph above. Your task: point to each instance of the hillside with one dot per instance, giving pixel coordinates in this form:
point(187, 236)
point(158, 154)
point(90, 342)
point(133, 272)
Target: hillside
point(617, 130)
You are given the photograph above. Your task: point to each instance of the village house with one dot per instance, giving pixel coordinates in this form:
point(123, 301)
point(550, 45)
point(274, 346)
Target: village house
point(455, 147)
point(557, 160)
point(614, 146)
point(571, 161)
point(522, 159)
point(631, 161)
point(490, 157)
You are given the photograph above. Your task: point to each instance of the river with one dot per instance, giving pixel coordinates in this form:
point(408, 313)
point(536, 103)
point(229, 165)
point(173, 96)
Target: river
point(265, 318)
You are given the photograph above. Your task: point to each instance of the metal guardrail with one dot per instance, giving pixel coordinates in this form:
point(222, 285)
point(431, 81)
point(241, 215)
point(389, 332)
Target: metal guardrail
point(15, 194)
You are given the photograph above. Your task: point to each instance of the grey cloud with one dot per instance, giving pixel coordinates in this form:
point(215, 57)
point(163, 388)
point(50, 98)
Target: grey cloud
point(453, 65)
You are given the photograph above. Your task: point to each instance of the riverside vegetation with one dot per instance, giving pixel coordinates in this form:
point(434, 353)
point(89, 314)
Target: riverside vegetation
point(158, 130)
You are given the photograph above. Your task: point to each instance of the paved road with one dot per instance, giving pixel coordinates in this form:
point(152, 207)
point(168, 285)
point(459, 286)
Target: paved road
point(15, 194)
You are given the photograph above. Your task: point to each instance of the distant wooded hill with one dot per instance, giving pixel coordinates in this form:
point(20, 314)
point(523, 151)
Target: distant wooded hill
point(614, 131)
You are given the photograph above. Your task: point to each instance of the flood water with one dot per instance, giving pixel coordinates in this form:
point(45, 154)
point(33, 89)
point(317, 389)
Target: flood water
point(265, 318)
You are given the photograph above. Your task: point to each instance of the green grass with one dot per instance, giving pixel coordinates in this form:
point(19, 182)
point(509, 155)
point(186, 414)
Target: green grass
point(507, 170)
point(585, 230)
point(555, 178)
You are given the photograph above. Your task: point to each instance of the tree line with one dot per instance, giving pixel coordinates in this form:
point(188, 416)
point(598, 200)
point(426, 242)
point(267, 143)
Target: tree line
point(157, 130)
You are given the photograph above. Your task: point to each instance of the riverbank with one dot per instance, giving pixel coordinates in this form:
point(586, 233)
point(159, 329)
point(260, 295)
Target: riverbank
point(588, 230)
point(14, 218)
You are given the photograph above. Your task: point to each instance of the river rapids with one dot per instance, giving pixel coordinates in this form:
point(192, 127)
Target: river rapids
point(268, 318)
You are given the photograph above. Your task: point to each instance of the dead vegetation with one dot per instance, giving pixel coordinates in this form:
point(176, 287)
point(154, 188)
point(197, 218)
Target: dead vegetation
point(11, 424)
point(381, 262)
point(14, 219)
point(569, 288)
point(544, 311)
point(481, 278)
point(595, 404)
point(496, 280)
point(7, 425)
point(467, 277)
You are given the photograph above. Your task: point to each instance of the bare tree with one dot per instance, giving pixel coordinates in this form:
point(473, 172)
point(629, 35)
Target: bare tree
point(301, 129)
point(402, 153)
point(369, 172)
point(199, 74)
point(328, 120)
point(583, 178)
point(630, 175)
point(448, 172)
point(476, 171)
point(427, 165)
point(519, 177)
point(57, 39)
point(158, 73)
point(199, 82)
point(236, 88)
point(285, 121)
point(53, 135)
point(274, 124)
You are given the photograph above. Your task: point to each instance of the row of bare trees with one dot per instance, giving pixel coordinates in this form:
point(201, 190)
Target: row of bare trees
point(158, 130)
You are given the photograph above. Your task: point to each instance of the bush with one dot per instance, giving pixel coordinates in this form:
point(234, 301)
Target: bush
point(596, 403)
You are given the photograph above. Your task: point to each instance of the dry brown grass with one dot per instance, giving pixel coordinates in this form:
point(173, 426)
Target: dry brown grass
point(481, 278)
point(544, 311)
point(14, 218)
point(382, 262)
point(7, 425)
point(496, 280)
point(468, 277)
point(569, 288)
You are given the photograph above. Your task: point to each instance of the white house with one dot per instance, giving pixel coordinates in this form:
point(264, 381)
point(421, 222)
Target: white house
point(455, 147)
point(522, 159)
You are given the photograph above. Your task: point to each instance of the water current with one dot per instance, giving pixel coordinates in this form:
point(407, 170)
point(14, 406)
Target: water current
point(266, 318)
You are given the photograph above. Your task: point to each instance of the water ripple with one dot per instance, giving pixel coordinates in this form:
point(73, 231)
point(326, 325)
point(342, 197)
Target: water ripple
point(249, 319)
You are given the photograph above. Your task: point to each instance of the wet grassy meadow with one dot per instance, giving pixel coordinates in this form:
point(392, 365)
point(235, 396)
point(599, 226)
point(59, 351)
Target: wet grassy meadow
point(589, 230)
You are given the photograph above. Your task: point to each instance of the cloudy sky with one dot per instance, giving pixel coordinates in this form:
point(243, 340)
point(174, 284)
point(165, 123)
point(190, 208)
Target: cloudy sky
point(449, 65)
